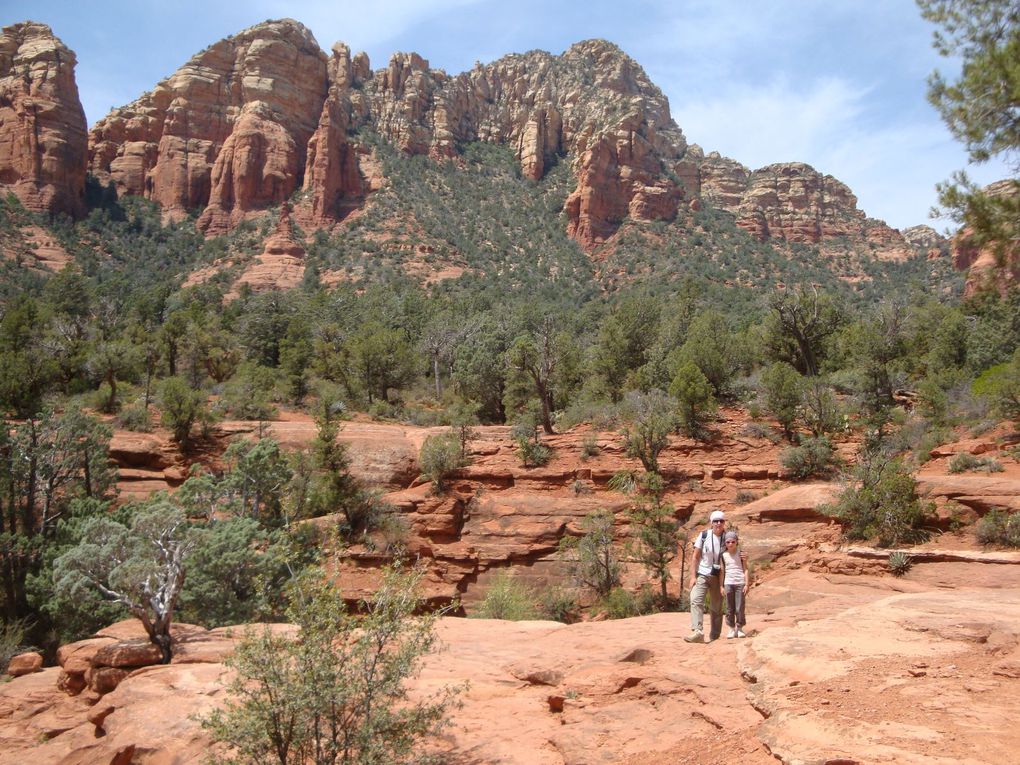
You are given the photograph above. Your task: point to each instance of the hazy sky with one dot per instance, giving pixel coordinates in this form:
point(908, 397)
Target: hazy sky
point(839, 84)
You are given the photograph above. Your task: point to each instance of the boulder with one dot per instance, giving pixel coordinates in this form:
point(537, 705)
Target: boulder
point(25, 664)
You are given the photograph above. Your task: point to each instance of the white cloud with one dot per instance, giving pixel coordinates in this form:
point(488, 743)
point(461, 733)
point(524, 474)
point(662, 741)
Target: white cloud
point(779, 123)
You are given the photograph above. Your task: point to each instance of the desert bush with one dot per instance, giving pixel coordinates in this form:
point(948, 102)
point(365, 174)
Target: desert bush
point(530, 450)
point(439, 457)
point(880, 502)
point(814, 457)
point(12, 640)
point(743, 497)
point(761, 430)
point(559, 604)
point(650, 420)
point(589, 446)
point(508, 598)
point(181, 407)
point(619, 603)
point(696, 404)
point(600, 415)
point(247, 395)
point(821, 411)
point(999, 528)
point(339, 693)
point(899, 563)
point(965, 462)
point(783, 390)
point(592, 556)
point(134, 417)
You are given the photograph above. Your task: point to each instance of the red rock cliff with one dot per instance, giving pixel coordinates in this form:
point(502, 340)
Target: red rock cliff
point(253, 117)
point(228, 131)
point(43, 138)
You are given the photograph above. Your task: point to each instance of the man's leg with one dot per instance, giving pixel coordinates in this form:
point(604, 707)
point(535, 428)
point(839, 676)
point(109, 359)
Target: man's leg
point(698, 602)
point(715, 607)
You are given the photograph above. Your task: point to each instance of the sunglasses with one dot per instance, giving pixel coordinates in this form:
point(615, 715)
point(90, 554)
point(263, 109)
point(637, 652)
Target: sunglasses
point(731, 541)
point(718, 521)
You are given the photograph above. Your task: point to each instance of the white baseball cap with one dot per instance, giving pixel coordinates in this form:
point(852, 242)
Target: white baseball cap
point(717, 515)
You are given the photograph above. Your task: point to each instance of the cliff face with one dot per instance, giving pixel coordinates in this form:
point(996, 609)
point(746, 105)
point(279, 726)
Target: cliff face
point(43, 134)
point(257, 116)
point(990, 267)
point(228, 131)
point(247, 121)
point(792, 202)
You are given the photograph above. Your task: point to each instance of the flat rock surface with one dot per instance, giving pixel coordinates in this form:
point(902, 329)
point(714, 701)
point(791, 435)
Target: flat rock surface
point(837, 669)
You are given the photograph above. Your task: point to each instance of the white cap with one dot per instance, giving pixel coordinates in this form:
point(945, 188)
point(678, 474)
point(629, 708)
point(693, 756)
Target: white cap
point(717, 515)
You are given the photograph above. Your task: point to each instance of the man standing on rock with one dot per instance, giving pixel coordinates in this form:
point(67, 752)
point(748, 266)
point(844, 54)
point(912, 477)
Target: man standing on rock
point(708, 550)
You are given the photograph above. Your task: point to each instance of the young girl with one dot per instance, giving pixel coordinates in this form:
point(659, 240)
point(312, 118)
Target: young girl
point(735, 582)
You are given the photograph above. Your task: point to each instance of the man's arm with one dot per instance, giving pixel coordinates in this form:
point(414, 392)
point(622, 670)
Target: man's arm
point(694, 566)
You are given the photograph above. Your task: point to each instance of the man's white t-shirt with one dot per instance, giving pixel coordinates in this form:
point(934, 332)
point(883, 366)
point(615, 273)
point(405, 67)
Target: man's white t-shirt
point(711, 546)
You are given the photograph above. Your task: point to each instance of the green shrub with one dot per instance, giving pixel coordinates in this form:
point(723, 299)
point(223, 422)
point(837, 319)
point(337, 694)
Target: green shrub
point(592, 556)
point(12, 641)
point(999, 528)
point(899, 563)
point(181, 406)
point(439, 457)
point(589, 446)
point(599, 414)
point(743, 497)
point(618, 603)
point(761, 430)
point(530, 450)
point(965, 462)
point(510, 599)
point(696, 404)
point(814, 457)
point(559, 605)
point(881, 503)
point(340, 692)
point(135, 418)
point(247, 395)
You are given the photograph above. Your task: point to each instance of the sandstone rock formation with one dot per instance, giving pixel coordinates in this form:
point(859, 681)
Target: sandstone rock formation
point(254, 117)
point(992, 267)
point(43, 138)
point(228, 131)
point(924, 236)
point(862, 668)
point(281, 265)
point(247, 121)
point(793, 202)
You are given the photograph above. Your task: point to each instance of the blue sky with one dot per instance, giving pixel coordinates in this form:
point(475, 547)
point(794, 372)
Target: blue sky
point(839, 84)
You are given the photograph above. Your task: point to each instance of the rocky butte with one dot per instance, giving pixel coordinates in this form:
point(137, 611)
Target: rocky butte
point(254, 118)
point(43, 134)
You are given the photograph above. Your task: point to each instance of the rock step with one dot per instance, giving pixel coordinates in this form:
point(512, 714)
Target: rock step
point(938, 556)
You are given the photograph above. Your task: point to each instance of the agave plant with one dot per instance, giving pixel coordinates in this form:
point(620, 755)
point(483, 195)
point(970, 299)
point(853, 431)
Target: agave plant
point(899, 562)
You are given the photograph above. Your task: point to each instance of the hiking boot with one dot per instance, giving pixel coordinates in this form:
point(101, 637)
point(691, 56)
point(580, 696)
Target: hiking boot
point(740, 633)
point(697, 636)
point(731, 634)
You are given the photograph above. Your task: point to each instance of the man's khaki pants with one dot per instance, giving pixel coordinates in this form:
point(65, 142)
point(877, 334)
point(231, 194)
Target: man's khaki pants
point(709, 584)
